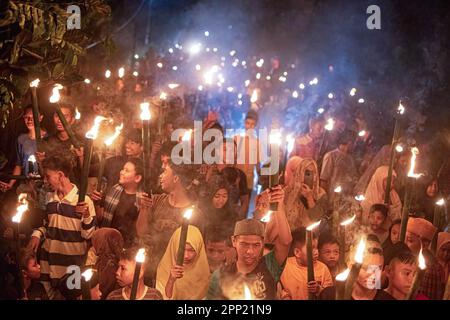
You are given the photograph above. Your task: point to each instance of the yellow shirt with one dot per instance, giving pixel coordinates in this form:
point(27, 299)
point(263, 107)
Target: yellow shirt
point(295, 278)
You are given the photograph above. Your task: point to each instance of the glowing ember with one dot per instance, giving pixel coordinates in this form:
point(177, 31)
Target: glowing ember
point(338, 189)
point(401, 108)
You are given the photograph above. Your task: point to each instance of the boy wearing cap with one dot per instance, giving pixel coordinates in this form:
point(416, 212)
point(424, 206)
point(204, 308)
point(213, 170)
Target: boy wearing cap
point(252, 270)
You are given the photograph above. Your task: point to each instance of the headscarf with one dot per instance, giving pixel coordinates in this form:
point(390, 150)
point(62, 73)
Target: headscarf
point(108, 245)
point(296, 212)
point(194, 283)
point(375, 194)
point(225, 216)
point(443, 238)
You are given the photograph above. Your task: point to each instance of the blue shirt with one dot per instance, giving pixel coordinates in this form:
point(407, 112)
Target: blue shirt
point(25, 148)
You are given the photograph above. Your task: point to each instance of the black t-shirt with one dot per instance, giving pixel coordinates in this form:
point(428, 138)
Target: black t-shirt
point(125, 218)
point(260, 282)
point(329, 293)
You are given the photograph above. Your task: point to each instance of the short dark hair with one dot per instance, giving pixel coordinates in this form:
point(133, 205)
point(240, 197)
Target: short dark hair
point(215, 234)
point(252, 115)
point(405, 257)
point(379, 207)
point(327, 238)
point(395, 250)
point(129, 254)
point(25, 256)
point(134, 135)
point(58, 162)
point(138, 165)
point(299, 238)
point(70, 108)
point(167, 147)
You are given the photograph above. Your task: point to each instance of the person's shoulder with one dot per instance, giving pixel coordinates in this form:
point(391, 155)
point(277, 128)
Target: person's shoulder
point(383, 295)
point(329, 293)
point(153, 294)
point(115, 295)
point(22, 138)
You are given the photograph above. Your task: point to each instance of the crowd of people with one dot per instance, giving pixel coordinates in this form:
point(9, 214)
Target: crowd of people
point(237, 242)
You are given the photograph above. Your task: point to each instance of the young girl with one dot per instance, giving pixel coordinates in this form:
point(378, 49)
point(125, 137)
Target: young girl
point(189, 281)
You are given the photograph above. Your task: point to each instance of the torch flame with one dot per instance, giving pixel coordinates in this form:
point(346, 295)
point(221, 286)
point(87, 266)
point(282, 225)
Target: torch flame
point(77, 114)
point(313, 226)
point(348, 221)
point(359, 255)
point(338, 189)
point(34, 83)
point(55, 93)
point(145, 111)
point(422, 263)
point(414, 152)
point(107, 74)
point(21, 208)
point(401, 108)
point(187, 135)
point(32, 158)
point(399, 148)
point(362, 133)
point(87, 275)
point(290, 143)
point(247, 293)
point(360, 197)
point(353, 92)
point(163, 95)
point(93, 132)
point(330, 124)
point(140, 255)
point(121, 72)
point(173, 85)
point(343, 275)
point(440, 202)
point(267, 217)
point(254, 96)
point(117, 132)
point(188, 213)
point(275, 138)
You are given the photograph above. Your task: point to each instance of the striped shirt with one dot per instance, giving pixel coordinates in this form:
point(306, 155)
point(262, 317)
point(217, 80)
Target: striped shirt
point(64, 233)
point(149, 294)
